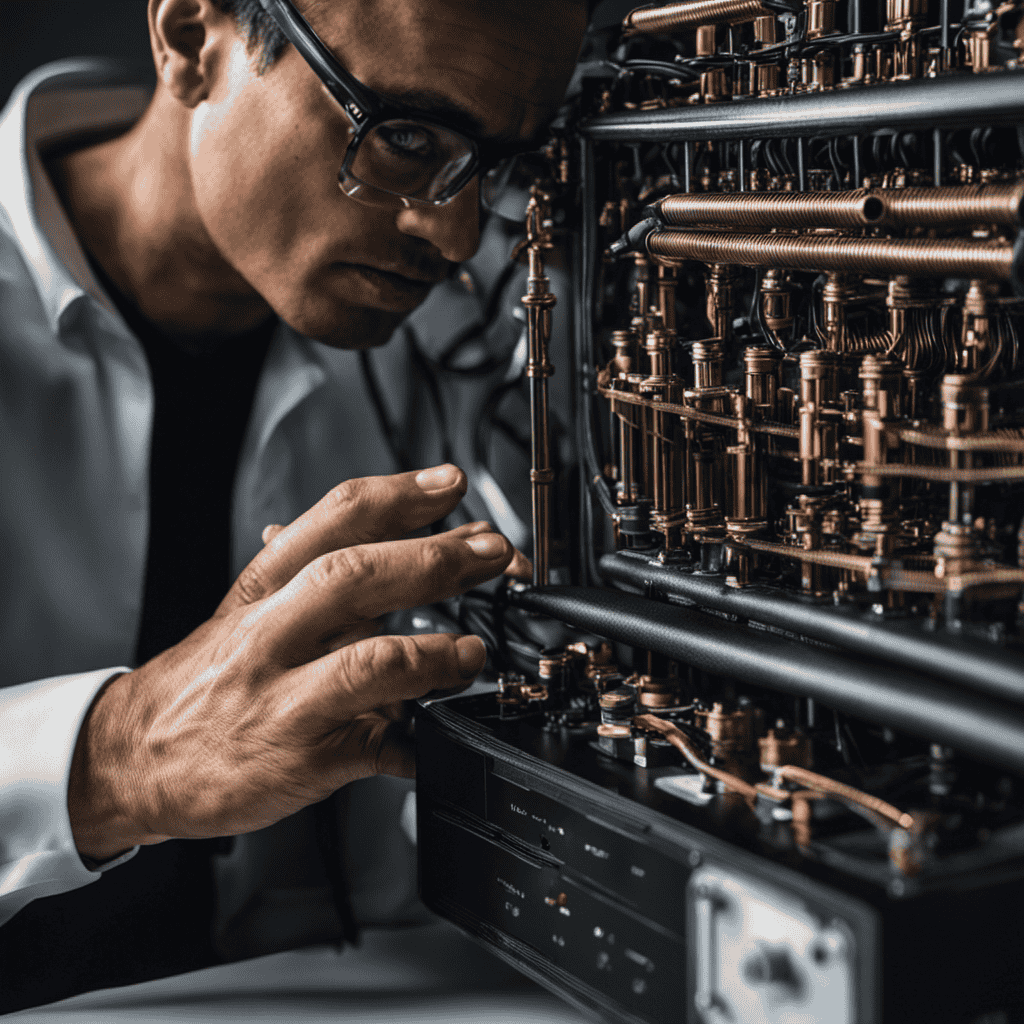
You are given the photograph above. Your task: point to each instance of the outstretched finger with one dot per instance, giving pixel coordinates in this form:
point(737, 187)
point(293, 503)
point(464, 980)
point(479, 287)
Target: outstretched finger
point(346, 587)
point(360, 511)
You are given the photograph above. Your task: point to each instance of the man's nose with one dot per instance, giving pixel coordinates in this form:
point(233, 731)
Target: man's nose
point(453, 228)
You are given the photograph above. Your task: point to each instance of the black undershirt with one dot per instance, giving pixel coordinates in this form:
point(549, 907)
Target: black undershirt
point(152, 916)
point(201, 406)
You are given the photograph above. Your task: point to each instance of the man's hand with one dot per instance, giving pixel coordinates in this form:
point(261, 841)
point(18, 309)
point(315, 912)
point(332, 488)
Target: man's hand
point(273, 703)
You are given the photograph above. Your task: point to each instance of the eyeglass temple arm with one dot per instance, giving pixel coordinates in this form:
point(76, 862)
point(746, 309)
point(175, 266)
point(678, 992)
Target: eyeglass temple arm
point(356, 101)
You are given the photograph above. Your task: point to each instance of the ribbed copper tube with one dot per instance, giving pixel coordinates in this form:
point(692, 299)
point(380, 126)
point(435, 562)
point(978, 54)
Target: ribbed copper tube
point(649, 20)
point(965, 204)
point(932, 207)
point(858, 208)
point(922, 257)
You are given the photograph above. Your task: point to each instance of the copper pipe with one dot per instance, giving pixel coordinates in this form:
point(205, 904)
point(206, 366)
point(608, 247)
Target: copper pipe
point(998, 203)
point(687, 412)
point(649, 20)
point(822, 783)
point(924, 257)
point(946, 474)
point(539, 302)
point(857, 208)
point(969, 443)
point(891, 577)
point(832, 559)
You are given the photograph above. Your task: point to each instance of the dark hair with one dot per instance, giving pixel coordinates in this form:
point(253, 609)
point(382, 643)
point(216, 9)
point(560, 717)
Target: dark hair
point(262, 35)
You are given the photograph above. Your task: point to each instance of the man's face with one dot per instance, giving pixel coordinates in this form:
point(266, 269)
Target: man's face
point(265, 152)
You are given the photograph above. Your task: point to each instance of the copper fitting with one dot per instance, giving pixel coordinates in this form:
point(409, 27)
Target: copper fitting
point(656, 693)
point(901, 14)
point(761, 366)
point(924, 257)
point(780, 747)
point(671, 17)
point(714, 86)
point(818, 447)
point(661, 455)
point(766, 30)
point(821, 18)
point(720, 300)
point(823, 71)
point(705, 43)
point(880, 381)
point(765, 79)
point(776, 301)
point(708, 360)
point(965, 410)
point(624, 360)
point(731, 732)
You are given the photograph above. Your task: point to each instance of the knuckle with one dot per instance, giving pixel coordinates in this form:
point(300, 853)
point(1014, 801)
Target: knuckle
point(341, 568)
point(346, 498)
point(252, 583)
point(395, 657)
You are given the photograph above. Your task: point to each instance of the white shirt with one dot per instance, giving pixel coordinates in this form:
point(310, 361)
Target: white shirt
point(76, 406)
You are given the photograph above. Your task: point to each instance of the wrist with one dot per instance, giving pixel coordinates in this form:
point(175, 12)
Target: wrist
point(99, 782)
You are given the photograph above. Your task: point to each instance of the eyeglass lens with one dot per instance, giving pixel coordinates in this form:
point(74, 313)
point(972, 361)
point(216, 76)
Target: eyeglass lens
point(412, 159)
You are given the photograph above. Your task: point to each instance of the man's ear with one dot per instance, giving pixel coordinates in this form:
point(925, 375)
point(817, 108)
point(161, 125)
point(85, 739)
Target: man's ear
point(188, 39)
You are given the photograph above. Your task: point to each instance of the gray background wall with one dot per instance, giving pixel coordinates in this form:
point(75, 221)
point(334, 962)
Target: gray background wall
point(33, 32)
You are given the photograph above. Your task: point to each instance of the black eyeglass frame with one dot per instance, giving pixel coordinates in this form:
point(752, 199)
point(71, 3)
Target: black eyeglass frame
point(365, 109)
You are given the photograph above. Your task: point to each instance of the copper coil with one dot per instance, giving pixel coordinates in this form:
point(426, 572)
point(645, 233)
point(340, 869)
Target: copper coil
point(858, 208)
point(648, 20)
point(922, 257)
point(967, 204)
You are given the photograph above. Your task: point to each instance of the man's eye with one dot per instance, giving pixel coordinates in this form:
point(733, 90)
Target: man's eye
point(408, 140)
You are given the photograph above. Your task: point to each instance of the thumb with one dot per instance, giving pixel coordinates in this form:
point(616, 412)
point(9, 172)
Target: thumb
point(374, 745)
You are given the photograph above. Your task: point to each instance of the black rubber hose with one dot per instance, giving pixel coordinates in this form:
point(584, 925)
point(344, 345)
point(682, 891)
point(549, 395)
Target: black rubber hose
point(954, 101)
point(954, 658)
point(976, 725)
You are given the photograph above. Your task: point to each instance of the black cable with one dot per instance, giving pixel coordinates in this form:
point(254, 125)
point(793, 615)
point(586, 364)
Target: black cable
point(476, 330)
point(426, 372)
point(400, 456)
point(584, 356)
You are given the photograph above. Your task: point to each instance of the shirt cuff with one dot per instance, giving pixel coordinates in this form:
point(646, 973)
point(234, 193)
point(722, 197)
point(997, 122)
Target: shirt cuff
point(41, 721)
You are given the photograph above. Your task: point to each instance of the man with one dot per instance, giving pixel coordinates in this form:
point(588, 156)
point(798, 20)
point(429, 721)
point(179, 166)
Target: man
point(162, 403)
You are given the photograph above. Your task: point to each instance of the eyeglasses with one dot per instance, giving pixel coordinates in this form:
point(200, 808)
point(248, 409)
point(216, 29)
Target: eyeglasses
point(397, 156)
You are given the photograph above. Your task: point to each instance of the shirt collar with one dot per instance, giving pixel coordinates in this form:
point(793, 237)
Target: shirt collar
point(50, 107)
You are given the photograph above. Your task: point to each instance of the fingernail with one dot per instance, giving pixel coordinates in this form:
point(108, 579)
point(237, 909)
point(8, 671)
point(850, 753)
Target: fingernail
point(472, 655)
point(487, 545)
point(438, 478)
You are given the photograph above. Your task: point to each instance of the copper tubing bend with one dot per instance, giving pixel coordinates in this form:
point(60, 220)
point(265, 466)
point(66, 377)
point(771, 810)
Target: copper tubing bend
point(923, 257)
point(931, 207)
point(650, 20)
point(822, 783)
point(792, 773)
